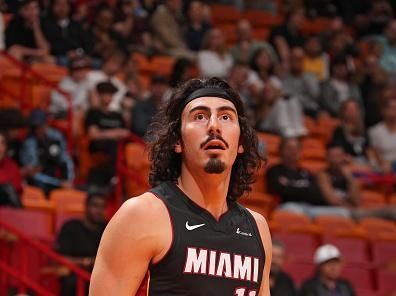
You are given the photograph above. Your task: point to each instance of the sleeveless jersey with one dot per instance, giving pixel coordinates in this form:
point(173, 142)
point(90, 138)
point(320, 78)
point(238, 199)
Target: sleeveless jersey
point(206, 256)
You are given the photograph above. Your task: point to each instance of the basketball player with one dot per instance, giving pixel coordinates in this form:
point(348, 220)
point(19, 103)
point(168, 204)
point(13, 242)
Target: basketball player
point(188, 231)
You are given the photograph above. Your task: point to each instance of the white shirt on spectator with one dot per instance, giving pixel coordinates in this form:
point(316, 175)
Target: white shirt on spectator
point(211, 64)
point(94, 77)
point(384, 141)
point(79, 92)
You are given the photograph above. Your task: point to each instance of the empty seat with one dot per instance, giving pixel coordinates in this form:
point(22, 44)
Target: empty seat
point(300, 247)
point(353, 250)
point(66, 199)
point(376, 227)
point(271, 142)
point(36, 224)
point(386, 281)
point(259, 202)
point(384, 253)
point(359, 277)
point(372, 199)
point(299, 271)
point(335, 224)
point(224, 14)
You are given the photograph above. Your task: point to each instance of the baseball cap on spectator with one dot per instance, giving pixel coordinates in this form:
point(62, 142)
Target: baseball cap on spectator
point(79, 64)
point(326, 253)
point(106, 87)
point(159, 79)
point(37, 118)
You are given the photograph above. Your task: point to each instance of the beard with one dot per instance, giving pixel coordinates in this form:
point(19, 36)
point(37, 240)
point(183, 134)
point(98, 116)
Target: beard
point(214, 166)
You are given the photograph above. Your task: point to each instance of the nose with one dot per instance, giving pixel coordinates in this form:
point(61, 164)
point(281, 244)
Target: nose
point(214, 126)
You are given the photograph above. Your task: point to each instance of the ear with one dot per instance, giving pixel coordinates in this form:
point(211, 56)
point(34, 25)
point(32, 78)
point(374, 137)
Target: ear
point(178, 147)
point(241, 149)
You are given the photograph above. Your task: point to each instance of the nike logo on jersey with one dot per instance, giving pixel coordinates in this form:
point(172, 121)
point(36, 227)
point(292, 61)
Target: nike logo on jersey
point(243, 233)
point(192, 227)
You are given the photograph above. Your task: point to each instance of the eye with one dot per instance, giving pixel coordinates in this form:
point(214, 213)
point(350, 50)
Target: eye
point(199, 116)
point(225, 117)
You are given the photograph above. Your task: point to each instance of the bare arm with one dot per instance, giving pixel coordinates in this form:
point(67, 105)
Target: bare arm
point(328, 190)
point(267, 243)
point(140, 232)
point(39, 37)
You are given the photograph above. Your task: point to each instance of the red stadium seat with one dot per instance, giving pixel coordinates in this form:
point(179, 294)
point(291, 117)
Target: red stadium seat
point(299, 271)
point(364, 292)
point(384, 253)
point(300, 246)
point(386, 281)
point(36, 224)
point(353, 250)
point(359, 277)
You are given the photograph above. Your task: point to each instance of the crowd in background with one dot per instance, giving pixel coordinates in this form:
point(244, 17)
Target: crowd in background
point(281, 80)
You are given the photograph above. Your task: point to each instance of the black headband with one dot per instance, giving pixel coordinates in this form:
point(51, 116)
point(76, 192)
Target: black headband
point(207, 92)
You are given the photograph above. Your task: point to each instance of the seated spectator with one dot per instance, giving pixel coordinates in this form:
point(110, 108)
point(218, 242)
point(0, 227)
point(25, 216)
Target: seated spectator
point(24, 36)
point(144, 110)
point(281, 283)
point(342, 44)
point(388, 45)
point(339, 87)
point(111, 67)
point(133, 27)
point(302, 85)
point(288, 35)
point(66, 36)
point(197, 26)
point(102, 36)
point(382, 137)
point(316, 61)
point(104, 129)
point(183, 70)
point(351, 134)
point(167, 27)
point(336, 182)
point(78, 239)
point(214, 60)
point(296, 187)
point(10, 177)
point(44, 156)
point(76, 85)
point(246, 46)
point(327, 279)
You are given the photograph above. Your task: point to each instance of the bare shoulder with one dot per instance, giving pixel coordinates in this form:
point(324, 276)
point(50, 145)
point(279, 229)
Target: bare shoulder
point(262, 226)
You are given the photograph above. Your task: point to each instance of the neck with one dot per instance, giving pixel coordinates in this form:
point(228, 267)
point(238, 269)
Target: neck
point(89, 224)
point(209, 192)
point(331, 284)
point(291, 164)
point(391, 125)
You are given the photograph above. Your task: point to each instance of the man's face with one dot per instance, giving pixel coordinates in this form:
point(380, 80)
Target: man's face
point(79, 74)
point(352, 112)
point(174, 5)
point(291, 151)
point(390, 111)
point(105, 19)
point(95, 211)
point(297, 19)
point(331, 269)
point(112, 66)
point(30, 12)
point(158, 90)
point(336, 157)
point(244, 30)
point(278, 258)
point(195, 12)
point(105, 99)
point(340, 71)
point(209, 135)
point(3, 147)
point(61, 9)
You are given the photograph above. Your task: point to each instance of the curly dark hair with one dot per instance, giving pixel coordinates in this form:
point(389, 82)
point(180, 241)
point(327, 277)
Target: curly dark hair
point(164, 132)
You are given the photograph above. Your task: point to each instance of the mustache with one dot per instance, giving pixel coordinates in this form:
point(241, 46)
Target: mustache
point(214, 137)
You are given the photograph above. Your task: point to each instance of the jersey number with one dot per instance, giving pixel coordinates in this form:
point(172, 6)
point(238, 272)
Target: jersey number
point(242, 292)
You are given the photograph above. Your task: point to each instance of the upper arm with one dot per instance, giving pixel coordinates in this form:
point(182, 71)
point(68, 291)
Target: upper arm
point(326, 187)
point(130, 242)
point(267, 244)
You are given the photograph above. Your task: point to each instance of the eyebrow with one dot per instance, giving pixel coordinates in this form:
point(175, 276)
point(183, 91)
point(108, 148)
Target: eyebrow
point(207, 109)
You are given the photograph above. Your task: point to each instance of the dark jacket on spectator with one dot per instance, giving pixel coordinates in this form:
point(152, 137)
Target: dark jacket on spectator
point(314, 287)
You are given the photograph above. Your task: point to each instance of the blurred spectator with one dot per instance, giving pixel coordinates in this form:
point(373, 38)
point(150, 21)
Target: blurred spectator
point(246, 46)
point(183, 70)
point(65, 36)
point(10, 177)
point(336, 26)
point(288, 35)
point(281, 283)
point(327, 279)
point(339, 87)
point(351, 134)
point(103, 38)
point(388, 47)
point(149, 6)
point(337, 183)
point(79, 239)
point(76, 85)
point(383, 137)
point(302, 85)
point(144, 110)
point(214, 59)
point(104, 129)
point(378, 14)
point(111, 67)
point(24, 36)
point(197, 26)
point(372, 82)
point(342, 44)
point(44, 155)
point(167, 26)
point(296, 187)
point(132, 25)
point(316, 61)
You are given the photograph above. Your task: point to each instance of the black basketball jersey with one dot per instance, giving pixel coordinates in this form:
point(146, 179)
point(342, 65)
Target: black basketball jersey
point(207, 257)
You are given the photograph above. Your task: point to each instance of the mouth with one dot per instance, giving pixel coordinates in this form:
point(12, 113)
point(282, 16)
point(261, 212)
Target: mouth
point(215, 145)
